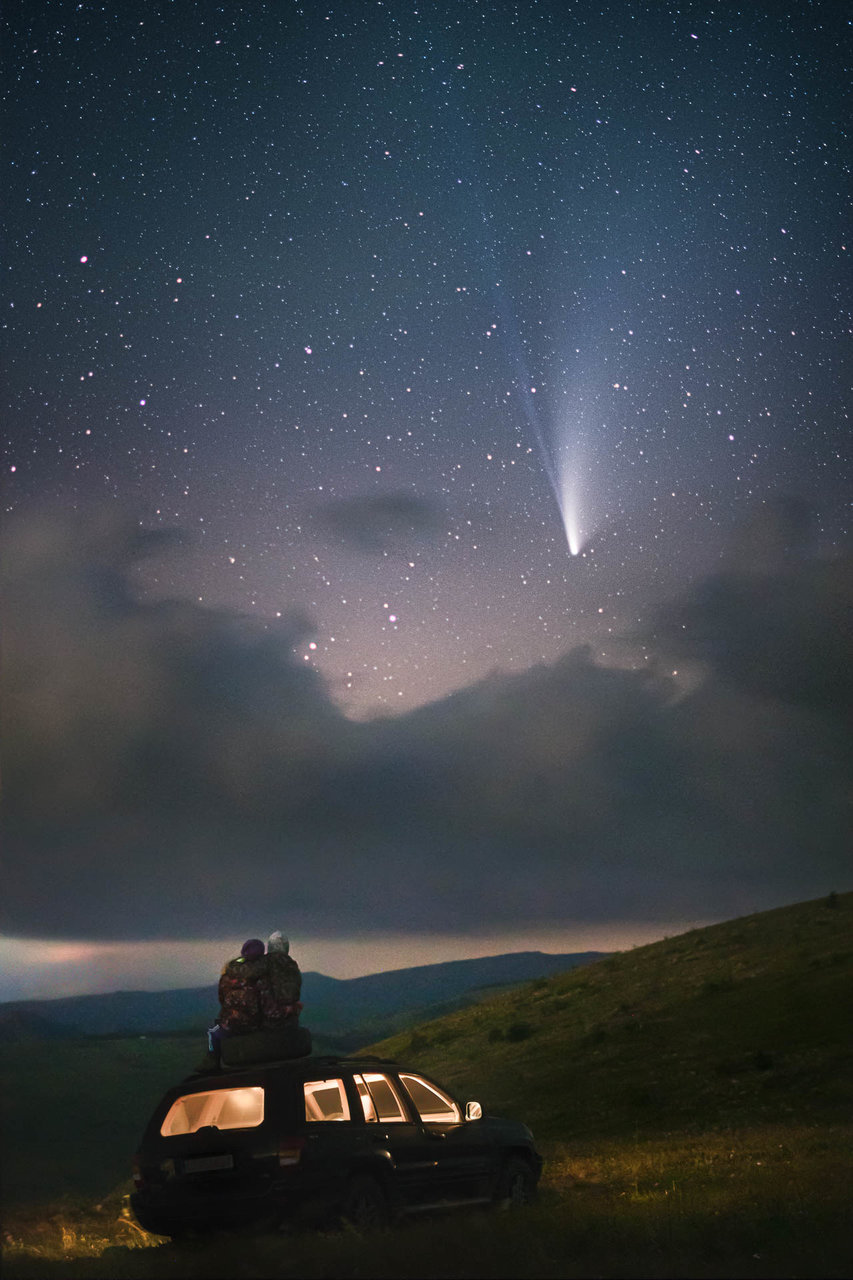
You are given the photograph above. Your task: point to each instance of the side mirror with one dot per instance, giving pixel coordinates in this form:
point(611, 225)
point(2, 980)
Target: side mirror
point(473, 1111)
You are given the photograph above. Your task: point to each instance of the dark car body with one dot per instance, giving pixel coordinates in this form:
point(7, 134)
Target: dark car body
point(301, 1138)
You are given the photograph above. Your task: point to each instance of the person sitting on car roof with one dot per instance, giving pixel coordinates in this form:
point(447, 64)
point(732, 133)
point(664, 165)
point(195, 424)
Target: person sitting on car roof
point(239, 997)
point(259, 992)
point(280, 984)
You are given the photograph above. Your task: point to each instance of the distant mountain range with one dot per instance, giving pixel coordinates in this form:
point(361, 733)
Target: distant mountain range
point(348, 1011)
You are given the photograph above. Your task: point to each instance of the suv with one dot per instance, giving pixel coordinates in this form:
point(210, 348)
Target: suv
point(322, 1138)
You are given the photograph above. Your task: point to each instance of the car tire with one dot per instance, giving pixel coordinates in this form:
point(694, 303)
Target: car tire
point(516, 1185)
point(365, 1205)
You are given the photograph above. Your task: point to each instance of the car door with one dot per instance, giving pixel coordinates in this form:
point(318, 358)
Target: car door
point(397, 1134)
point(465, 1159)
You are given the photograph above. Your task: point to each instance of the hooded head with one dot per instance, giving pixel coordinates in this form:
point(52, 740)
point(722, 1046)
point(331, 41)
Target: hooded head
point(278, 943)
point(252, 950)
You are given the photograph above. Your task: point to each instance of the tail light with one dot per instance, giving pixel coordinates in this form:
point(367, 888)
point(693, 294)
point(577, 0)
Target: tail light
point(290, 1150)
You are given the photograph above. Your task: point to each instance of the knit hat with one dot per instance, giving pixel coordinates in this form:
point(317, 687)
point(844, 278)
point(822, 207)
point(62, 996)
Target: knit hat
point(252, 950)
point(278, 943)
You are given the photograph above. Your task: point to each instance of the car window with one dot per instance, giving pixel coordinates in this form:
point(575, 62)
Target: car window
point(379, 1098)
point(221, 1108)
point(432, 1104)
point(326, 1100)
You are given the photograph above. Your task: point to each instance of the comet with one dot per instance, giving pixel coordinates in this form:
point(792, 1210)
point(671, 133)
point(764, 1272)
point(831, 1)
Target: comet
point(561, 452)
point(560, 441)
point(564, 461)
point(572, 528)
point(568, 497)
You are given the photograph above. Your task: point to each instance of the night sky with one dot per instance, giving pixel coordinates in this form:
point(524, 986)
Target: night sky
point(426, 452)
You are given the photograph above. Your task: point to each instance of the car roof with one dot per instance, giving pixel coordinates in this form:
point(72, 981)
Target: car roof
point(298, 1067)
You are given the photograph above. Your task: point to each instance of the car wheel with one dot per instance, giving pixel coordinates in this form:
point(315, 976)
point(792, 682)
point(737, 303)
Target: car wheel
point(364, 1205)
point(516, 1184)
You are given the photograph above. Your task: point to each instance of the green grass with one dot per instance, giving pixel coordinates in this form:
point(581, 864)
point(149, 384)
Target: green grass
point(692, 1099)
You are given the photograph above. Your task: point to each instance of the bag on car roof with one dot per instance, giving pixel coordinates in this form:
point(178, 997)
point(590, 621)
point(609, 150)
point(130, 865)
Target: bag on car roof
point(267, 1045)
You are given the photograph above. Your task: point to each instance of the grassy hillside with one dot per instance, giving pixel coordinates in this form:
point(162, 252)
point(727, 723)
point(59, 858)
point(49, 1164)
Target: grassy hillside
point(743, 1022)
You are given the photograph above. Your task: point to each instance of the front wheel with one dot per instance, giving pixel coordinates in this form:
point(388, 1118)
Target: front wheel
point(364, 1205)
point(516, 1184)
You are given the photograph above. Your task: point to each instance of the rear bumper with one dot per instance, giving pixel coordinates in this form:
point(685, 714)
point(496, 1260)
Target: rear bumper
point(169, 1210)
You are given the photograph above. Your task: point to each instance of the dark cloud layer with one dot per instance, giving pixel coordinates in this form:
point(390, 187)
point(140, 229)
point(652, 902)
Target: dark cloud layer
point(169, 770)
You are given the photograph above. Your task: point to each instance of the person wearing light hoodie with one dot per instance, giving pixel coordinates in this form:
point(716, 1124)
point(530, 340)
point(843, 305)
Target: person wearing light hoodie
point(280, 984)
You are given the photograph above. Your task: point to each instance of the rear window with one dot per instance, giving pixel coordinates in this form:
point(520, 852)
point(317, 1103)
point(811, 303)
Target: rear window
point(221, 1108)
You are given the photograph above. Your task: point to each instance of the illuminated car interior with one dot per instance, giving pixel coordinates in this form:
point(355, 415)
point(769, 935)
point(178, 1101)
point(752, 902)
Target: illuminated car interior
point(433, 1106)
point(220, 1109)
point(326, 1100)
point(379, 1099)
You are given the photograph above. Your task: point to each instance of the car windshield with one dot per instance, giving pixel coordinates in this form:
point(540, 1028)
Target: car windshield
point(219, 1108)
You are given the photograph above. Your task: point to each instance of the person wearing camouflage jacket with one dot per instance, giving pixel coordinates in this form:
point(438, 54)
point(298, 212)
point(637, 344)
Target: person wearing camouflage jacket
point(240, 992)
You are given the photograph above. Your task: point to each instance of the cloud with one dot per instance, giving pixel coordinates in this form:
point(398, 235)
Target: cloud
point(112, 704)
point(775, 621)
point(174, 771)
point(387, 522)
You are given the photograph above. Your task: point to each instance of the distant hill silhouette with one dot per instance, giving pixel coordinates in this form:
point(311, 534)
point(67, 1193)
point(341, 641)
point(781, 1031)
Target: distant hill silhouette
point(350, 1009)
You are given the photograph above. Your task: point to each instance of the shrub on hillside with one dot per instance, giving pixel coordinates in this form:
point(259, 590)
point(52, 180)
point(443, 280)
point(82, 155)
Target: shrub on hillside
point(519, 1031)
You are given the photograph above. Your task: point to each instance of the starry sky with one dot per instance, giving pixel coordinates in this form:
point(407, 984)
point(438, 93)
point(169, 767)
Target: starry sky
point(396, 353)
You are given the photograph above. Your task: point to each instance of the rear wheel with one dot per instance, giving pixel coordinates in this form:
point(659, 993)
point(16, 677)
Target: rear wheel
point(516, 1185)
point(364, 1205)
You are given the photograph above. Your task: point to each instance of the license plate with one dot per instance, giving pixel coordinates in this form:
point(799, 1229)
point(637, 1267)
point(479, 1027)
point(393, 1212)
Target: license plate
point(208, 1164)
